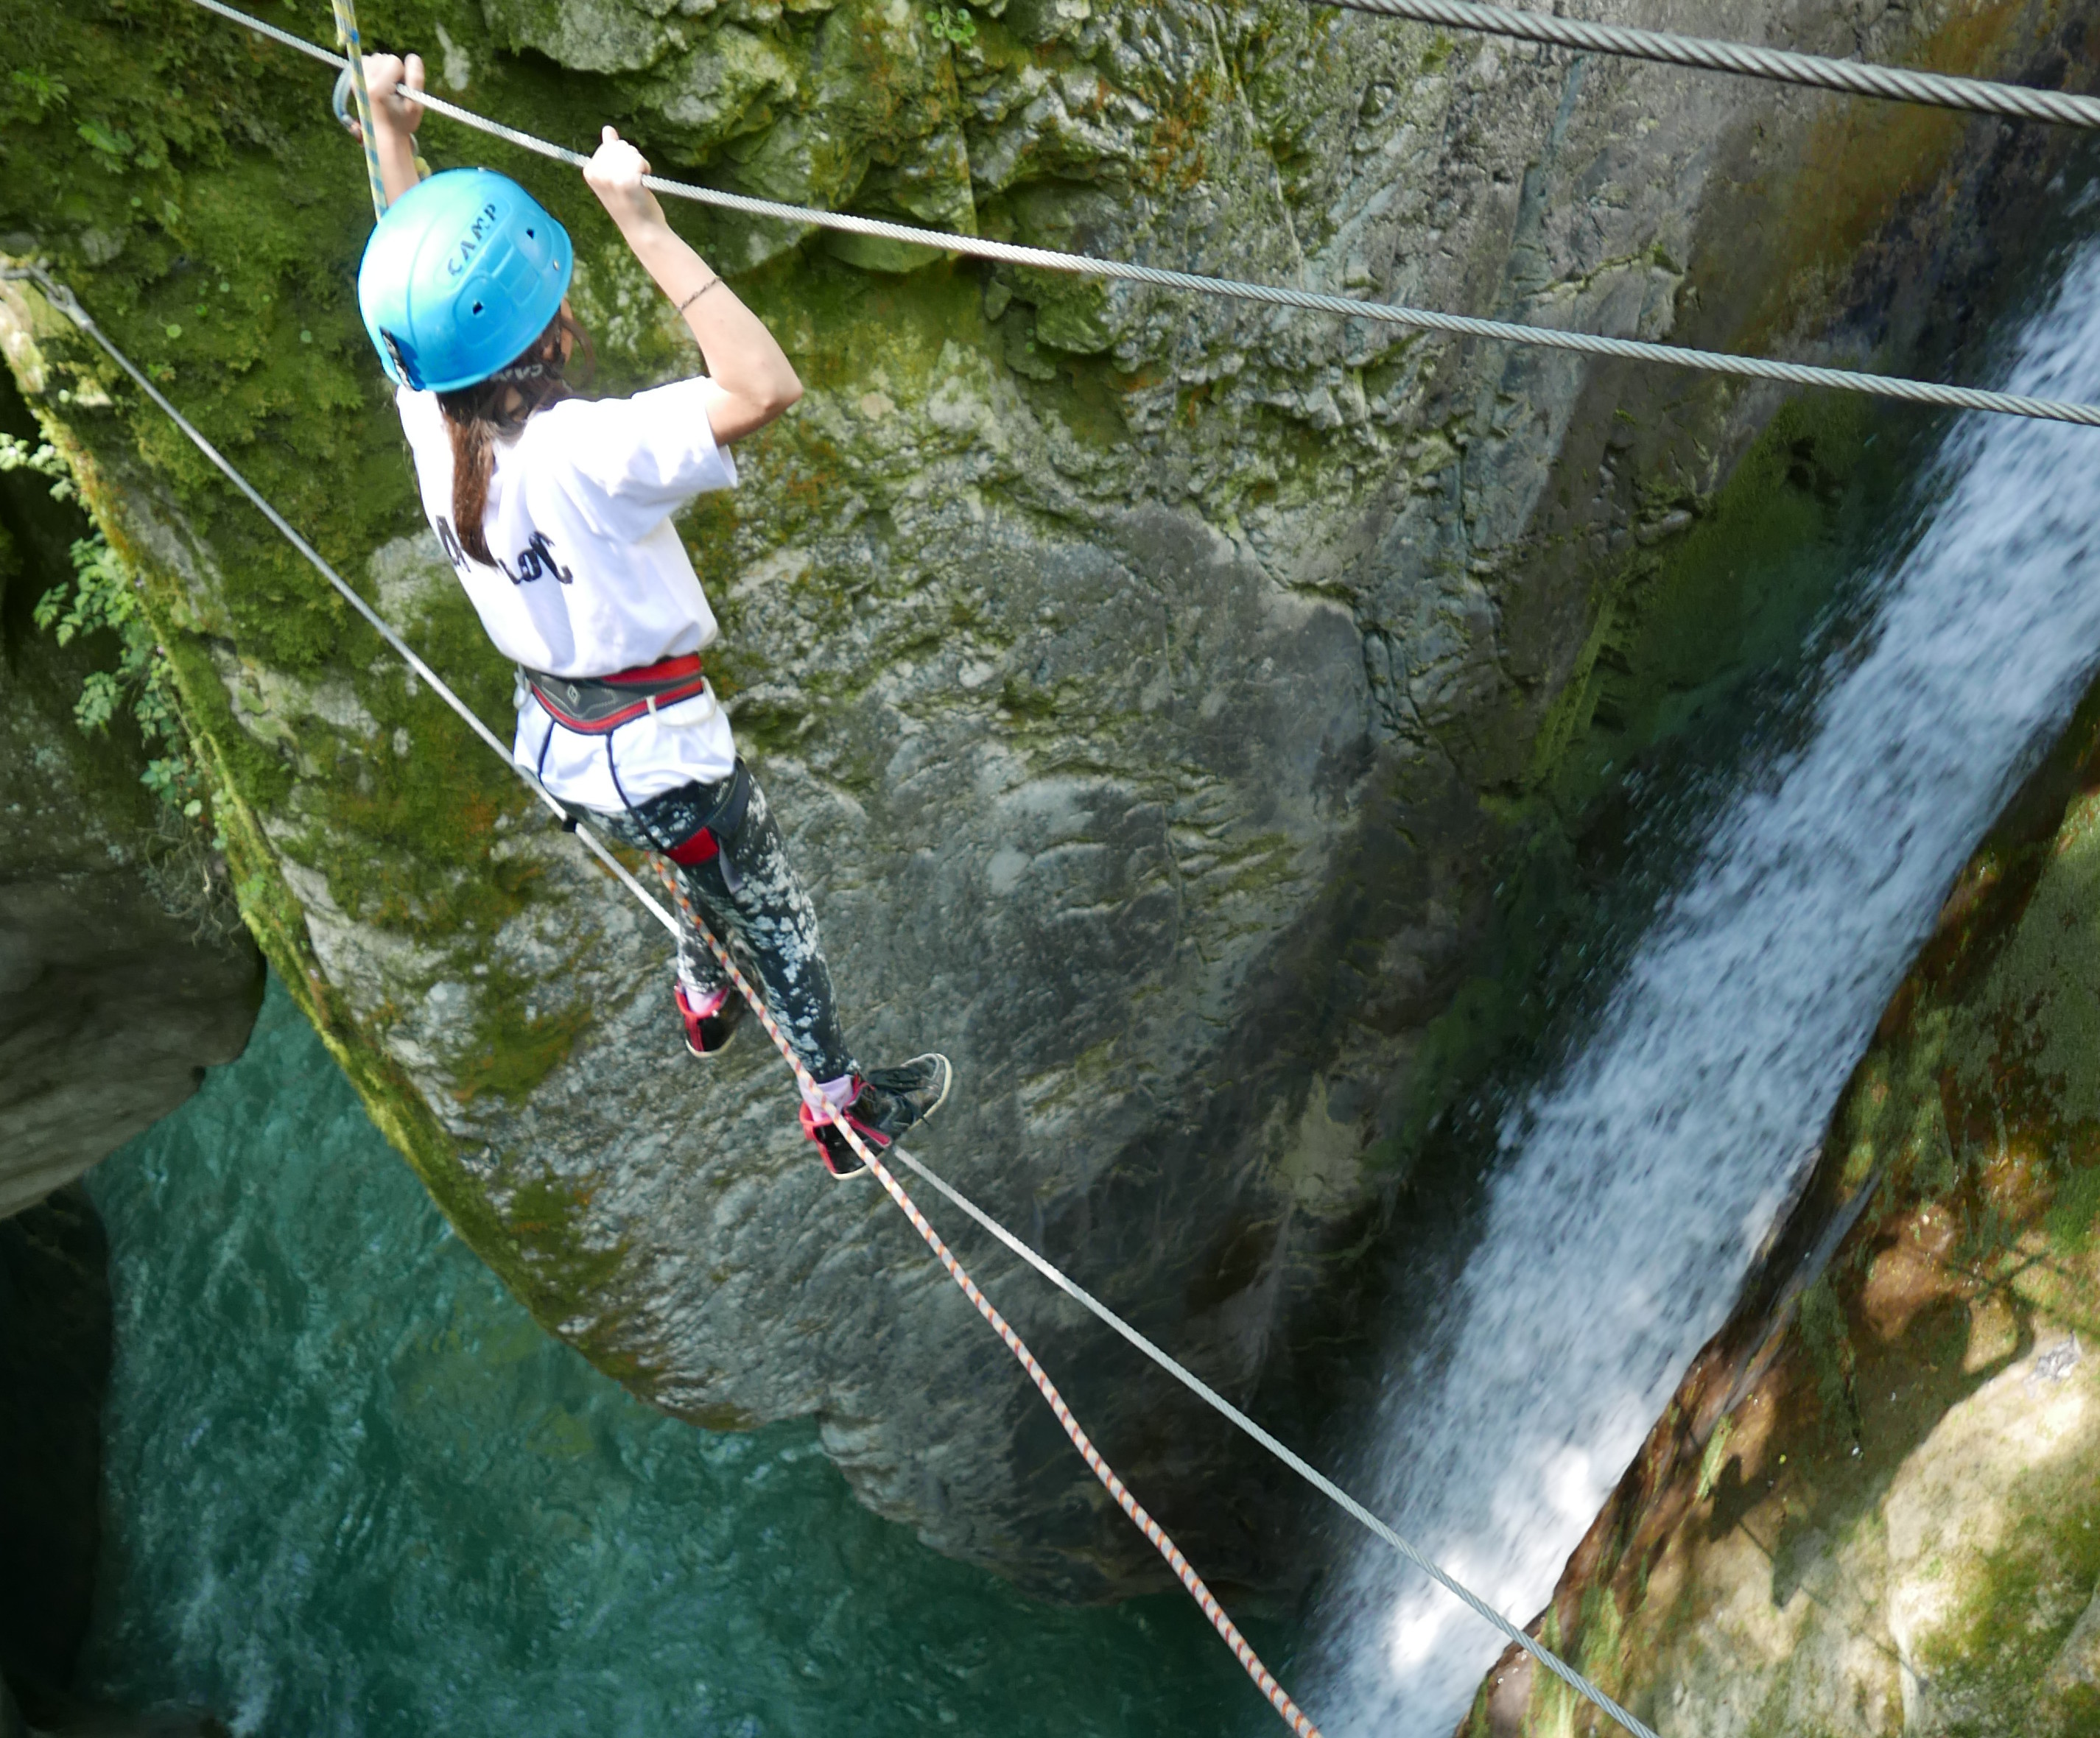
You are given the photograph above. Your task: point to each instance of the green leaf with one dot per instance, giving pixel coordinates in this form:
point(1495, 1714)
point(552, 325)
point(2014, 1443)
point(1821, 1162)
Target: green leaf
point(99, 695)
point(112, 143)
point(104, 596)
point(45, 91)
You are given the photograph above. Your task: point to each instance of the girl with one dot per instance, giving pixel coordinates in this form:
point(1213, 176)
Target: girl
point(555, 512)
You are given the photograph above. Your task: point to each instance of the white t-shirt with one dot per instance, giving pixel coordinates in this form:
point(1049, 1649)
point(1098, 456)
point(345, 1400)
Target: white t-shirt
point(591, 577)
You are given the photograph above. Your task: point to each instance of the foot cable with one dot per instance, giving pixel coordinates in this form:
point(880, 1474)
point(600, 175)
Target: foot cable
point(63, 299)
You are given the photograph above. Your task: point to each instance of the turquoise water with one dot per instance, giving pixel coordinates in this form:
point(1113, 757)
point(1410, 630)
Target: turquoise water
point(352, 1489)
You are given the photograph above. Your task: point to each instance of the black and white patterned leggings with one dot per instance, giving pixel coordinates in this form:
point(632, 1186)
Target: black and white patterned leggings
point(749, 893)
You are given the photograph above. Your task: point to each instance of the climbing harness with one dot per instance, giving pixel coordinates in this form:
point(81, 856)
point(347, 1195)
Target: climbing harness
point(1858, 78)
point(596, 706)
point(1082, 265)
point(63, 299)
point(1973, 95)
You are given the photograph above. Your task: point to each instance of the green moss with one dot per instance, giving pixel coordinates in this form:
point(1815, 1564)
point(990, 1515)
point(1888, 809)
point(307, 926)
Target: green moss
point(515, 1045)
point(1828, 1344)
point(1716, 1456)
point(1682, 625)
point(1991, 1660)
point(2075, 1216)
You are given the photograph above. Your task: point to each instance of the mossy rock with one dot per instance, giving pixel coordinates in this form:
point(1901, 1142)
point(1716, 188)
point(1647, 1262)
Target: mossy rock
point(1156, 691)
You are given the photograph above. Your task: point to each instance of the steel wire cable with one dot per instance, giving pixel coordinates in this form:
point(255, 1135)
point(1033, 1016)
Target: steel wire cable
point(1264, 1680)
point(1782, 65)
point(1296, 1462)
point(1084, 265)
point(63, 299)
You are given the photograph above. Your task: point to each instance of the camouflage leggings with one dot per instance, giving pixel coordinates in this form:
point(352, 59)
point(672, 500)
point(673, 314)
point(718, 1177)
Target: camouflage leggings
point(749, 893)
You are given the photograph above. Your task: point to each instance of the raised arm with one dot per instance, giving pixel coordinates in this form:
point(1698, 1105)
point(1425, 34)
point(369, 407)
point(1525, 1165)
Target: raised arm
point(742, 356)
point(394, 118)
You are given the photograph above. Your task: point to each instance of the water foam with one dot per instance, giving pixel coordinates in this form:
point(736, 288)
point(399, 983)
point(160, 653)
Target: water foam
point(1631, 1191)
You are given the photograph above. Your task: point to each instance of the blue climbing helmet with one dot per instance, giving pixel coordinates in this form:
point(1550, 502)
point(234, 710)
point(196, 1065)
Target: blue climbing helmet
point(461, 275)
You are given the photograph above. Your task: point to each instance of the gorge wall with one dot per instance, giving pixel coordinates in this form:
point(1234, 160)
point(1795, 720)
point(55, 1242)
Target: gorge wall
point(1163, 698)
point(122, 976)
point(1871, 1508)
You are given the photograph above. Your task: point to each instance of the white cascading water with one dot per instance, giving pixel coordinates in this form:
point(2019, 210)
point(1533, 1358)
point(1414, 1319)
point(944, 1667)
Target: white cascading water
point(1632, 1190)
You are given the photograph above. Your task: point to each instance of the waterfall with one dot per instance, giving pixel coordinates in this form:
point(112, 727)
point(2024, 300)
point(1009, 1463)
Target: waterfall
point(1631, 1190)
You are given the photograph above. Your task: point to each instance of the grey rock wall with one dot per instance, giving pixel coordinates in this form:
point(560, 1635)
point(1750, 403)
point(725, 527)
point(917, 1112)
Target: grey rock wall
point(1151, 690)
point(115, 991)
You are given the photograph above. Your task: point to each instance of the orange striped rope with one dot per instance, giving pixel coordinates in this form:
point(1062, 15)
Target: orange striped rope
point(1264, 1680)
point(64, 300)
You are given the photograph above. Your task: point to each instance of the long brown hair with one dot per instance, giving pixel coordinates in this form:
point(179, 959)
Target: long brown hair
point(498, 408)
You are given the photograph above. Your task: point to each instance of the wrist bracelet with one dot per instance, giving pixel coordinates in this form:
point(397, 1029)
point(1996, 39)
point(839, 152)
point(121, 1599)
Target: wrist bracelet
point(699, 293)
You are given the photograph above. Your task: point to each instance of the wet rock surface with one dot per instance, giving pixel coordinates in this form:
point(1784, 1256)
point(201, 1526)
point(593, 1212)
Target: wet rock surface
point(1873, 1506)
point(1157, 695)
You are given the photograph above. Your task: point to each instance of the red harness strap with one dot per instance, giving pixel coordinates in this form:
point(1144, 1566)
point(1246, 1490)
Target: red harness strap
point(696, 850)
point(599, 704)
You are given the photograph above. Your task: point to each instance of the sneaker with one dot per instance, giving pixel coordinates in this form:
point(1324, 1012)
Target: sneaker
point(707, 1034)
point(888, 1101)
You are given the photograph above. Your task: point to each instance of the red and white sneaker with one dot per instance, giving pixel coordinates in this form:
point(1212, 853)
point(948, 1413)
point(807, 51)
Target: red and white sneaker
point(886, 1101)
point(707, 1034)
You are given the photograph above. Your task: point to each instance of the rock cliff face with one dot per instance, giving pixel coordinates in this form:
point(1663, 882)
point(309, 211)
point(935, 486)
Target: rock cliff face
point(116, 988)
point(1873, 1507)
point(1159, 695)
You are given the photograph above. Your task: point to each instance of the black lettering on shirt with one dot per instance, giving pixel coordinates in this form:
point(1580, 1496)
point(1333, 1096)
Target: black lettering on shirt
point(449, 539)
point(537, 558)
point(535, 561)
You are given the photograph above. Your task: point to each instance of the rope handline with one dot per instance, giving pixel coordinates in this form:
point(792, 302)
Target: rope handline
point(1300, 1723)
point(1085, 265)
point(62, 298)
point(346, 30)
point(1278, 1697)
point(1781, 65)
point(1297, 1463)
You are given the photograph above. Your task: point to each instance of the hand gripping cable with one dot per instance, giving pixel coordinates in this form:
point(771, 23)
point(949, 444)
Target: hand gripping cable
point(1318, 302)
point(65, 301)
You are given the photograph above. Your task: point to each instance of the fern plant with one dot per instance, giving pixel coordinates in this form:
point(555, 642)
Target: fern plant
point(103, 594)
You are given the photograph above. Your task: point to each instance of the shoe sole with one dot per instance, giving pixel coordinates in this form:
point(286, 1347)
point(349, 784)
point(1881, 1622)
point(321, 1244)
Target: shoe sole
point(693, 1049)
point(947, 1085)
